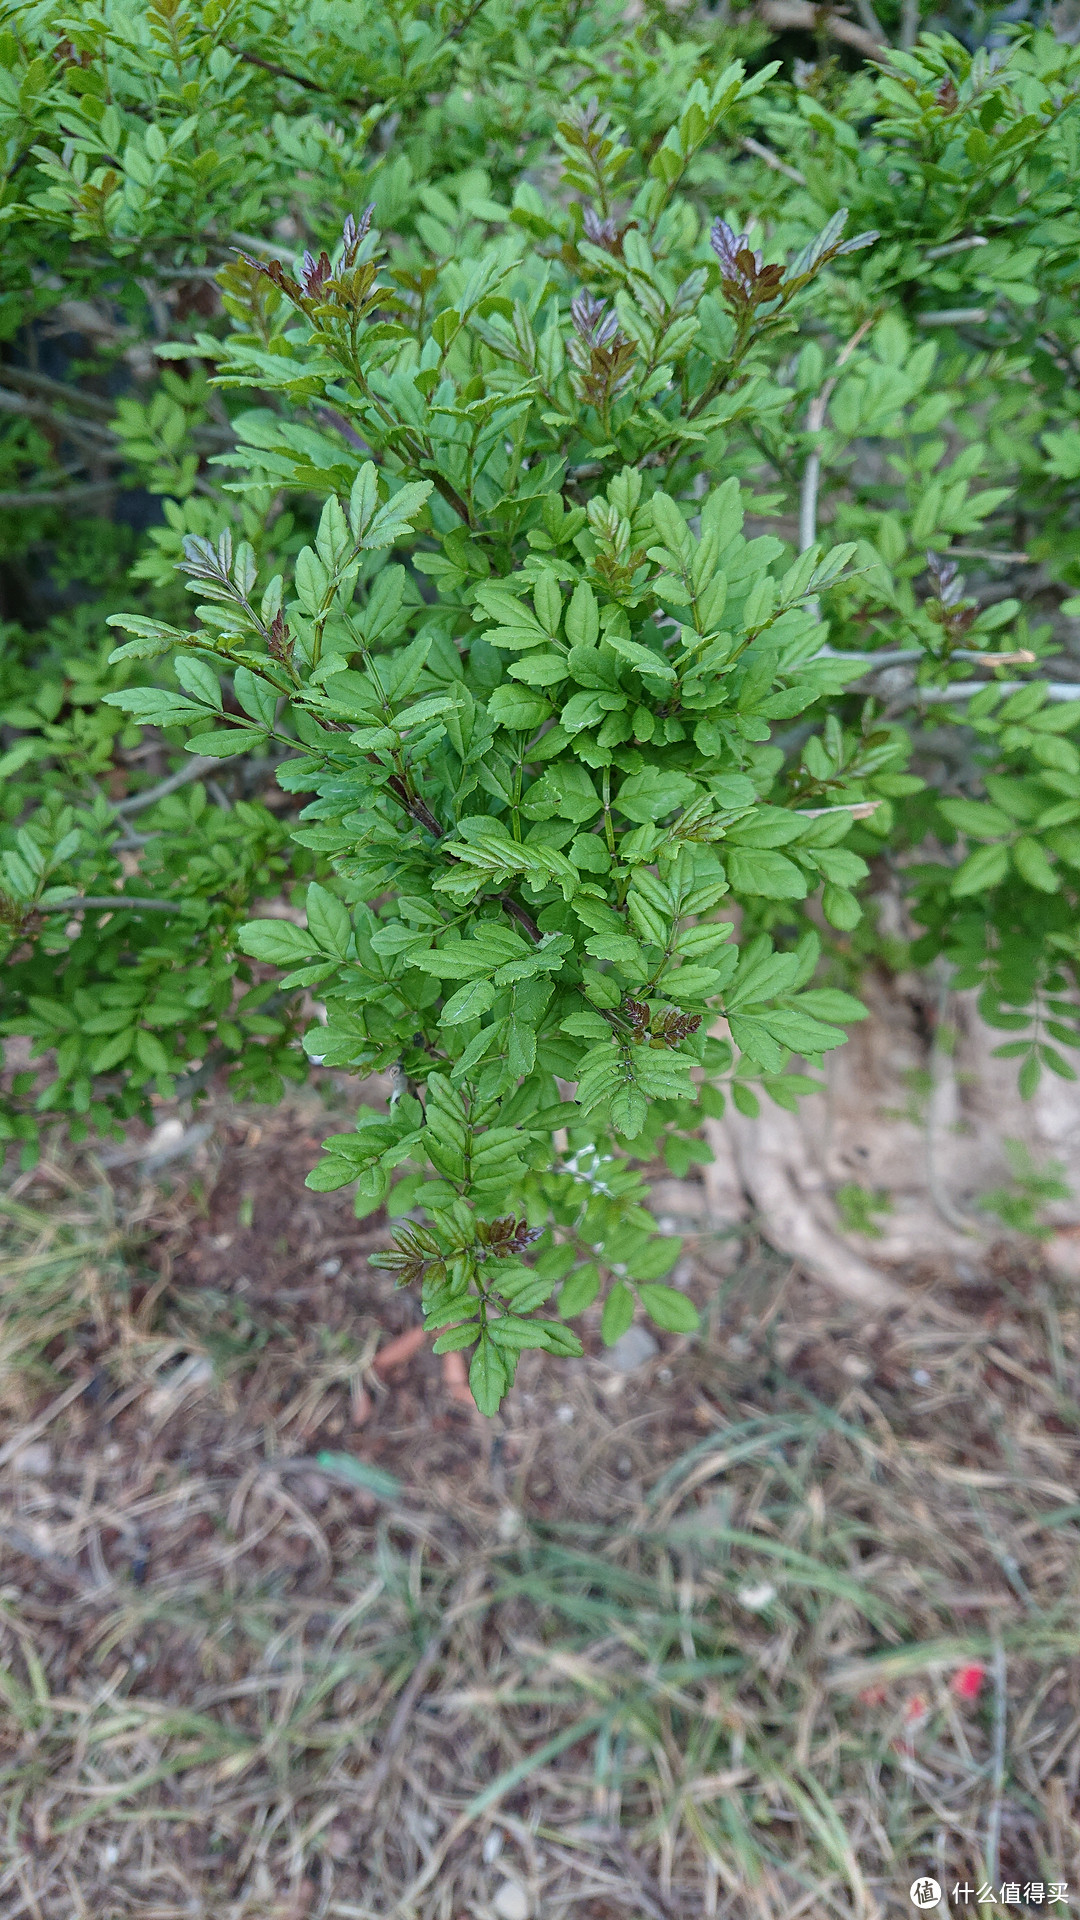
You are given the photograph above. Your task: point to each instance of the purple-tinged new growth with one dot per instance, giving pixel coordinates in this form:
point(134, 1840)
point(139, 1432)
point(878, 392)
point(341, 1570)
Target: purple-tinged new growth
point(602, 232)
point(593, 321)
point(353, 233)
point(737, 261)
point(947, 578)
point(315, 273)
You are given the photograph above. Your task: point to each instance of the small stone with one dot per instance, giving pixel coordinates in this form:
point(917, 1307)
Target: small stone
point(855, 1368)
point(492, 1847)
point(631, 1350)
point(509, 1523)
point(921, 1377)
point(755, 1599)
point(35, 1460)
point(329, 1268)
point(511, 1901)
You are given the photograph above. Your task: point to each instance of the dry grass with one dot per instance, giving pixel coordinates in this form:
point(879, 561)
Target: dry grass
point(677, 1644)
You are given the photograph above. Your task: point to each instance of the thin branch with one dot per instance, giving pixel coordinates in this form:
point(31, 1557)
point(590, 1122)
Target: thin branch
point(56, 390)
point(199, 764)
point(956, 246)
point(519, 914)
point(997, 1775)
point(298, 79)
point(773, 160)
point(56, 496)
point(802, 13)
point(109, 902)
point(815, 420)
point(41, 410)
point(858, 809)
point(953, 317)
point(871, 22)
point(903, 656)
point(963, 689)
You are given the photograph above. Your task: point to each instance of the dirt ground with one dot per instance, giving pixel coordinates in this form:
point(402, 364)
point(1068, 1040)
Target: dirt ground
point(761, 1626)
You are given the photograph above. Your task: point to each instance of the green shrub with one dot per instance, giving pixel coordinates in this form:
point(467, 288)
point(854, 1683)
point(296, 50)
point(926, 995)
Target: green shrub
point(576, 534)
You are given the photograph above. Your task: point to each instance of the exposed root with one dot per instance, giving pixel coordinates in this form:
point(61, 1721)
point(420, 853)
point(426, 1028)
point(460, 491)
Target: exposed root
point(769, 1152)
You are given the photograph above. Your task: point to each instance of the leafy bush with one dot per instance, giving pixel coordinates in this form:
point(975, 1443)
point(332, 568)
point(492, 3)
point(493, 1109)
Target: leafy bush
point(576, 533)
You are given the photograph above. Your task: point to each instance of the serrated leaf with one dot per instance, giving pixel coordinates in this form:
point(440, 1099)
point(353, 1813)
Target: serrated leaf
point(488, 1377)
point(468, 1003)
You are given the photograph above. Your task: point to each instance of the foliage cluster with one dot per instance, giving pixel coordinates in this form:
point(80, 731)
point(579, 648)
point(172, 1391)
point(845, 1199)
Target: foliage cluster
point(572, 438)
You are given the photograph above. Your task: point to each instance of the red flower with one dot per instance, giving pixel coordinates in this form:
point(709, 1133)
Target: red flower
point(967, 1682)
point(916, 1708)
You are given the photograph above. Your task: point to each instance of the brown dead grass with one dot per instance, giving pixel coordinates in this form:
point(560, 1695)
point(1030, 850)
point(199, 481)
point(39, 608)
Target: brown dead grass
point(679, 1643)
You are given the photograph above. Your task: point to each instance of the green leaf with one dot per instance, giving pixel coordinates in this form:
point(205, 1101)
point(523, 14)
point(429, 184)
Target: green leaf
point(643, 658)
point(397, 517)
point(767, 873)
point(359, 1473)
point(468, 1003)
point(654, 793)
point(330, 1174)
point(199, 679)
point(984, 868)
point(328, 921)
point(276, 941)
point(579, 1291)
point(517, 708)
point(488, 1376)
point(841, 909)
point(669, 1308)
point(1033, 866)
point(222, 744)
point(256, 696)
point(629, 1112)
point(457, 1338)
point(618, 1313)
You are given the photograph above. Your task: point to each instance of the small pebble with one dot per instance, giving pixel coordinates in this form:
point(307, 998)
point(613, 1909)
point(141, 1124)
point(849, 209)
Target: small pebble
point(511, 1902)
point(921, 1377)
point(330, 1267)
point(664, 1374)
point(35, 1460)
point(509, 1523)
point(631, 1350)
point(492, 1846)
point(855, 1368)
point(564, 1414)
point(756, 1598)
